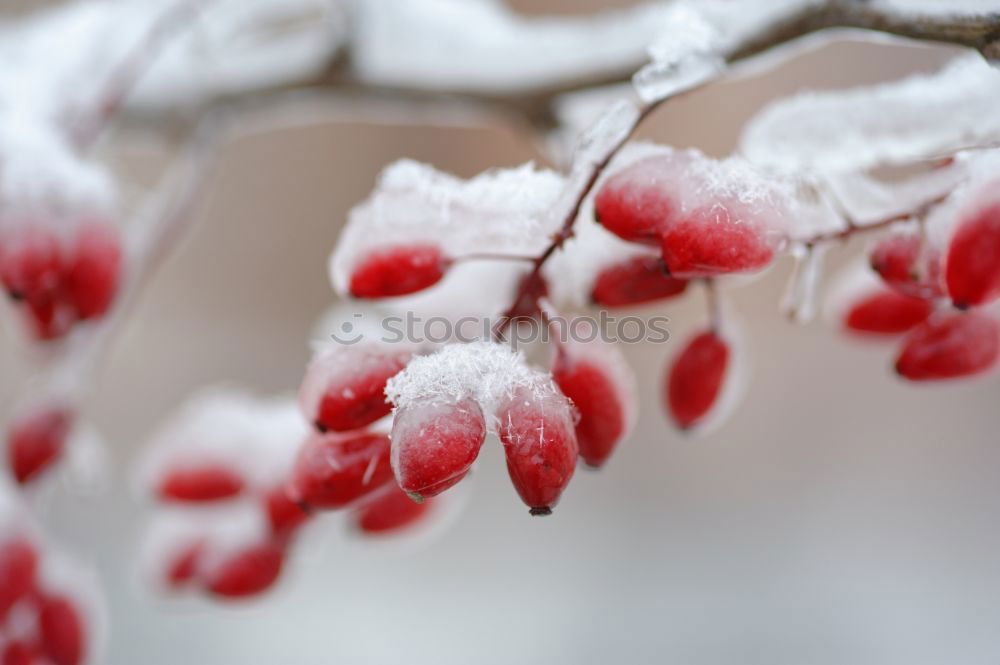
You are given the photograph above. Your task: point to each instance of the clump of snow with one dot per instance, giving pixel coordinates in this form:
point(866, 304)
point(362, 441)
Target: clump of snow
point(485, 372)
point(696, 37)
point(429, 44)
point(499, 211)
point(851, 130)
point(684, 54)
point(258, 437)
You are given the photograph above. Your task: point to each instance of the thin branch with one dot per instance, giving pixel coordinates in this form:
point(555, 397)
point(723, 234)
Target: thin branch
point(854, 228)
point(979, 31)
point(133, 66)
point(156, 229)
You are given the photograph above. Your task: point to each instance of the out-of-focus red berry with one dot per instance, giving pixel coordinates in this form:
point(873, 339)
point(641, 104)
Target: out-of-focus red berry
point(397, 271)
point(62, 630)
point(392, 512)
point(36, 440)
point(283, 515)
point(640, 279)
point(247, 572)
point(886, 312)
point(184, 565)
point(333, 471)
point(435, 444)
point(950, 345)
point(898, 261)
point(93, 272)
point(31, 264)
point(18, 652)
point(972, 270)
point(18, 566)
point(696, 378)
point(198, 482)
point(599, 402)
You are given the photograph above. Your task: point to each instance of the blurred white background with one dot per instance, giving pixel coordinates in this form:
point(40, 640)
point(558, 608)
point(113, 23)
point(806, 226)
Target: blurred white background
point(839, 517)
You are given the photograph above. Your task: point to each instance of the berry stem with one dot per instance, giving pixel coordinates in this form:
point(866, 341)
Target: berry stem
point(566, 231)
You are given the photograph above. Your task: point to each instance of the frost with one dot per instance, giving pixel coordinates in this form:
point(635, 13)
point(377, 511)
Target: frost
point(684, 54)
point(259, 437)
point(907, 120)
point(499, 211)
point(483, 371)
point(691, 45)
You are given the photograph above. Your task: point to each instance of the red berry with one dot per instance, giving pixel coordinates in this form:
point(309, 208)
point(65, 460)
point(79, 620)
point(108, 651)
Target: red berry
point(898, 261)
point(540, 445)
point(435, 444)
point(345, 389)
point(247, 572)
point(713, 241)
point(184, 566)
point(397, 271)
point(93, 271)
point(18, 565)
point(972, 271)
point(632, 203)
point(886, 312)
point(696, 378)
point(949, 346)
point(35, 441)
point(63, 639)
point(391, 512)
point(599, 401)
point(206, 481)
point(333, 471)
point(31, 264)
point(283, 515)
point(19, 653)
point(637, 280)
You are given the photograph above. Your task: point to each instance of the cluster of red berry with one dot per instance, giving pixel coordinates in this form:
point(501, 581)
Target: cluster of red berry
point(57, 278)
point(38, 625)
point(921, 280)
point(231, 522)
